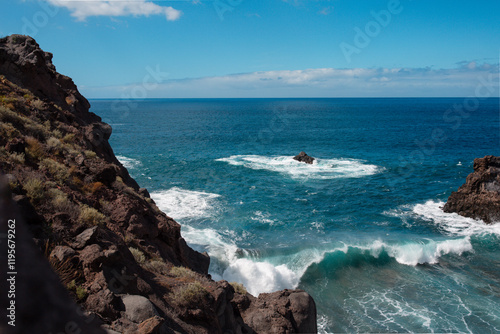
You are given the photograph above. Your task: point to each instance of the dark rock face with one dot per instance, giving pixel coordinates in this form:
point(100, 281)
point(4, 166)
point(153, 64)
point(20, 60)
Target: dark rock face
point(288, 311)
point(479, 197)
point(303, 157)
point(109, 246)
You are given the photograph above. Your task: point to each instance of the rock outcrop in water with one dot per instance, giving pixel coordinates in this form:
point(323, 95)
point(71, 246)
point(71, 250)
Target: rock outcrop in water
point(87, 233)
point(479, 197)
point(303, 157)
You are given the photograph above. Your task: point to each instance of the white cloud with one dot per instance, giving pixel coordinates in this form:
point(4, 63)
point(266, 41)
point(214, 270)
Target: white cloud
point(83, 9)
point(329, 82)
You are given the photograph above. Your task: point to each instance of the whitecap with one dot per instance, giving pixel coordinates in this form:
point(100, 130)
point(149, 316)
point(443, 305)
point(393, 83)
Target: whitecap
point(181, 204)
point(320, 169)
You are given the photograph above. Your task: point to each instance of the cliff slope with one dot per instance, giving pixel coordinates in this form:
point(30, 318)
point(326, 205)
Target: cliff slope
point(115, 253)
point(479, 196)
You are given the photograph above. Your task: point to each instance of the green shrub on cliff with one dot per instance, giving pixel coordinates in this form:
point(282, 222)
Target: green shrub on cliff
point(190, 295)
point(182, 272)
point(34, 189)
point(239, 288)
point(59, 171)
point(91, 216)
point(138, 255)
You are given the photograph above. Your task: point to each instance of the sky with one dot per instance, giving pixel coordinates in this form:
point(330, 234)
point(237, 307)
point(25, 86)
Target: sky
point(267, 48)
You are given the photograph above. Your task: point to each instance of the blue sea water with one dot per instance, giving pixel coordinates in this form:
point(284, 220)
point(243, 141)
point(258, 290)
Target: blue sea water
point(361, 229)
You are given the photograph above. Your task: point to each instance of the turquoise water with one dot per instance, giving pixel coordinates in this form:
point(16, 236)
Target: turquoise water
point(361, 229)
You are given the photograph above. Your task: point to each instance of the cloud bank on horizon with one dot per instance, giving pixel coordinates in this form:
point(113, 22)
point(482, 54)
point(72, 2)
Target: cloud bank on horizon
point(468, 79)
point(83, 9)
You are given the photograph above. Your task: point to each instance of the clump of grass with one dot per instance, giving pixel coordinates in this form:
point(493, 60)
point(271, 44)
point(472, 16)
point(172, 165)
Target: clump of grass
point(91, 216)
point(34, 189)
point(190, 295)
point(93, 188)
point(80, 292)
point(57, 134)
point(59, 171)
point(34, 148)
point(17, 158)
point(239, 288)
point(54, 143)
point(182, 272)
point(90, 154)
point(69, 138)
point(60, 201)
point(138, 255)
point(9, 116)
point(157, 266)
point(9, 131)
point(37, 104)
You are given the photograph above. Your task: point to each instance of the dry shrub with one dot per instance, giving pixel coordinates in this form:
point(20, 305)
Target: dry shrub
point(93, 188)
point(239, 288)
point(34, 189)
point(191, 295)
point(54, 143)
point(182, 272)
point(34, 148)
point(90, 154)
point(59, 171)
point(17, 158)
point(157, 266)
point(90, 216)
point(138, 255)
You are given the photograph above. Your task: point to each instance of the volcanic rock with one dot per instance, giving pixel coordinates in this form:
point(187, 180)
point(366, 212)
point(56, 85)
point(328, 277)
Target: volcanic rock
point(303, 157)
point(479, 196)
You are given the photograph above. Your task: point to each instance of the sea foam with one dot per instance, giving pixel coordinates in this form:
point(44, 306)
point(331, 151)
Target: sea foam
point(453, 223)
point(128, 163)
point(320, 169)
point(181, 204)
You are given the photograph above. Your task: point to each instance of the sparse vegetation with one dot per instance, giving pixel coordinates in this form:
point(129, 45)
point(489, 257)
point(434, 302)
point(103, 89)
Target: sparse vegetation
point(189, 295)
point(138, 255)
point(91, 216)
point(80, 292)
point(239, 288)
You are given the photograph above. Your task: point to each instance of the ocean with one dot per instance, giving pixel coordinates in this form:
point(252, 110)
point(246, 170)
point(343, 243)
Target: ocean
point(361, 229)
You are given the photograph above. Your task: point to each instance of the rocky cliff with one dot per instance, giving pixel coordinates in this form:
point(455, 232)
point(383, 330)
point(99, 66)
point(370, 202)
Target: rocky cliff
point(479, 197)
point(88, 235)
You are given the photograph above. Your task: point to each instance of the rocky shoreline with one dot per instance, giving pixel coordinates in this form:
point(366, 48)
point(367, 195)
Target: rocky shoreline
point(89, 238)
point(479, 196)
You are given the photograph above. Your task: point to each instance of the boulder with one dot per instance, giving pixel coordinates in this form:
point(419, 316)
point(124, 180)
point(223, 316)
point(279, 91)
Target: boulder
point(479, 196)
point(303, 157)
point(138, 308)
point(287, 311)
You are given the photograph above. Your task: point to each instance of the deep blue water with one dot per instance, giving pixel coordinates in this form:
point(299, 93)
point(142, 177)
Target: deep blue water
point(361, 229)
